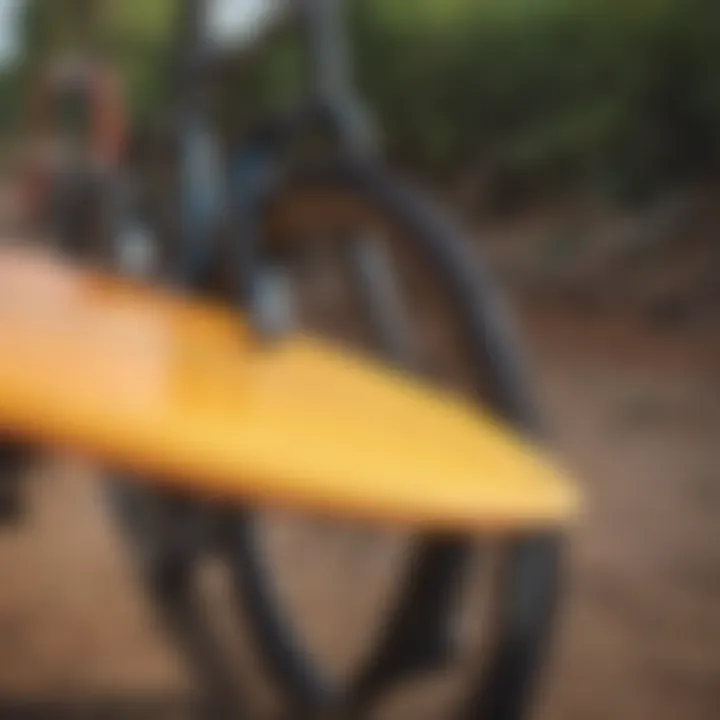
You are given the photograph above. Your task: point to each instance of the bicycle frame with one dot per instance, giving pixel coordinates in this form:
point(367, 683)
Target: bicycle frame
point(331, 97)
point(204, 194)
point(418, 636)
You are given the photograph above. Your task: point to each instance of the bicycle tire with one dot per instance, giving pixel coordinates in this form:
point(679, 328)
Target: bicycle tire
point(426, 601)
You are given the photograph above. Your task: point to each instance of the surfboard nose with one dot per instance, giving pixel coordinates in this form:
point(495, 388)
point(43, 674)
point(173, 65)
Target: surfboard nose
point(177, 389)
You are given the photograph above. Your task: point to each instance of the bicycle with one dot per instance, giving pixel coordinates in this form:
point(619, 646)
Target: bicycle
point(280, 202)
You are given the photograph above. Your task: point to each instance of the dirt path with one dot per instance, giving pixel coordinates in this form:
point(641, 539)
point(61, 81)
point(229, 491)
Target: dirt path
point(639, 419)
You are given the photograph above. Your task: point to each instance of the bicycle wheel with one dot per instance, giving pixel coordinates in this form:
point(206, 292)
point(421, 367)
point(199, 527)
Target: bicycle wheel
point(346, 205)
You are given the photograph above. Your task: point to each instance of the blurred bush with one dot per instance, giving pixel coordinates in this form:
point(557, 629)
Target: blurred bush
point(623, 95)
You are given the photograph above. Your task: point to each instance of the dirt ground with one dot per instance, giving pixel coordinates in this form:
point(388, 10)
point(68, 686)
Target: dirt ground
point(637, 414)
point(639, 417)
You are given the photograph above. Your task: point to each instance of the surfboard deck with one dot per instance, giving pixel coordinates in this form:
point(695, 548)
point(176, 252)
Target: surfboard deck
point(178, 390)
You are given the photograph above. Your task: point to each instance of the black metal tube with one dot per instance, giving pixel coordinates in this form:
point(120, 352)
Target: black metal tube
point(329, 47)
point(529, 596)
point(331, 76)
point(190, 57)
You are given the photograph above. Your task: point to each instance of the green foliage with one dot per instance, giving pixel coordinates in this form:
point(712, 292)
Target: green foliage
point(621, 93)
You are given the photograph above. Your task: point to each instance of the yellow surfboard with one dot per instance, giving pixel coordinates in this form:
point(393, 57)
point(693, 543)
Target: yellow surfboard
point(178, 390)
